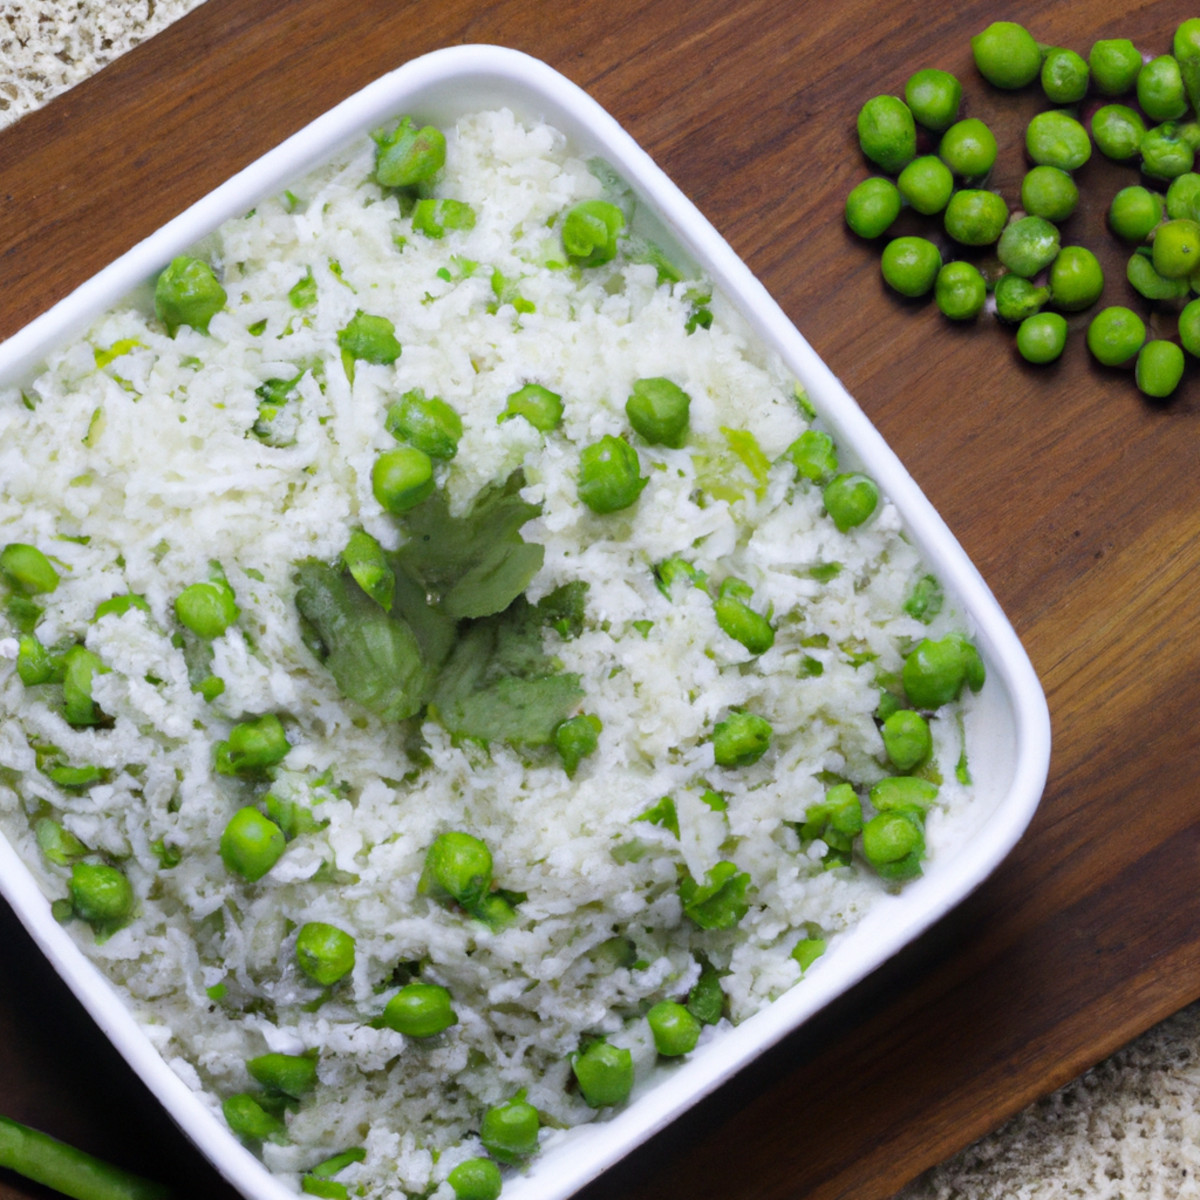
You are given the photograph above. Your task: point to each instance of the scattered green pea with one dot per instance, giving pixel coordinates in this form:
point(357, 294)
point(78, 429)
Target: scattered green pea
point(910, 265)
point(458, 866)
point(926, 183)
point(975, 217)
point(872, 206)
point(604, 1074)
point(1135, 212)
point(576, 738)
point(27, 570)
point(1114, 64)
point(1186, 47)
point(324, 952)
point(1159, 368)
point(509, 1131)
point(968, 148)
point(1183, 196)
point(658, 409)
point(887, 133)
point(1117, 131)
point(736, 618)
point(188, 293)
point(476, 1179)
point(407, 156)
point(426, 422)
point(1042, 338)
point(1189, 328)
point(1049, 192)
point(369, 337)
point(674, 1029)
point(1007, 55)
point(541, 407)
point(610, 477)
point(1115, 334)
point(251, 844)
point(420, 1010)
point(933, 97)
point(118, 606)
point(207, 608)
point(402, 478)
point(591, 231)
point(253, 746)
point(720, 901)
point(1017, 298)
point(1160, 89)
point(907, 740)
point(1064, 76)
point(814, 455)
point(249, 1120)
point(807, 950)
point(960, 291)
point(433, 216)
point(1056, 139)
point(936, 670)
point(100, 895)
point(1076, 279)
point(894, 844)
point(1166, 154)
point(80, 666)
point(293, 1075)
point(741, 739)
point(850, 499)
point(1175, 250)
point(1028, 245)
point(1146, 281)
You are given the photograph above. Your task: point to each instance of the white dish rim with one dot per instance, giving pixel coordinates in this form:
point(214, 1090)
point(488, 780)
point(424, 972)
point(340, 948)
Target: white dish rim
point(497, 75)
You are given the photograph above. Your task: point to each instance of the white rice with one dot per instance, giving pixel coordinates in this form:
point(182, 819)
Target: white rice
point(137, 474)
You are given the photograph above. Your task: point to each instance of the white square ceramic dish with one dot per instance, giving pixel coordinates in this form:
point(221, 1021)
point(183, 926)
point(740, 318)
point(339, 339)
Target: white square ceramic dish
point(1009, 725)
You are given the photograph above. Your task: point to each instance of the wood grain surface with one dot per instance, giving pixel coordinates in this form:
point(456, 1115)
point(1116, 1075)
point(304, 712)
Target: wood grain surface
point(1078, 499)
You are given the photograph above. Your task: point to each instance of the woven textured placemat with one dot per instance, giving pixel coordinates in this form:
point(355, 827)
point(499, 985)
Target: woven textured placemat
point(1127, 1129)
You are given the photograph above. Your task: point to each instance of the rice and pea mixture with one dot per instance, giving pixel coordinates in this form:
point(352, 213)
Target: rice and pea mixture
point(419, 816)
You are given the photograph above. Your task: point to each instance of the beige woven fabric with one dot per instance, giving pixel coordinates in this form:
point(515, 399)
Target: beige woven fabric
point(1127, 1130)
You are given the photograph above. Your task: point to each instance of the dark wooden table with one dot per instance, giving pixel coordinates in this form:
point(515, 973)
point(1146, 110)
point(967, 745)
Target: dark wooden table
point(1078, 499)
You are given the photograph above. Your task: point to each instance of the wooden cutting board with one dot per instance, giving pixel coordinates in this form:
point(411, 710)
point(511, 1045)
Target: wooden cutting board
point(1078, 499)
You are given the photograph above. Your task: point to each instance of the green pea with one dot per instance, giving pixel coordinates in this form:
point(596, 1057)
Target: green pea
point(207, 609)
point(458, 866)
point(292, 1075)
point(907, 740)
point(253, 746)
point(1017, 298)
point(476, 1179)
point(836, 820)
point(894, 844)
point(736, 618)
point(1175, 251)
point(1114, 64)
point(27, 570)
point(872, 206)
point(1189, 328)
point(1166, 154)
point(575, 739)
point(675, 1030)
point(1057, 140)
point(1186, 47)
point(1049, 192)
point(1135, 213)
point(968, 148)
point(807, 950)
point(366, 561)
point(1118, 131)
point(541, 407)
point(324, 952)
point(251, 844)
point(1160, 89)
point(1159, 368)
point(887, 133)
point(1042, 337)
point(903, 792)
point(1064, 76)
point(118, 606)
point(1076, 279)
point(57, 843)
point(1007, 55)
point(420, 1010)
point(80, 666)
point(960, 291)
point(910, 265)
point(604, 1074)
point(100, 895)
point(1145, 280)
point(188, 293)
point(1028, 245)
point(509, 1131)
point(814, 455)
point(850, 499)
point(926, 183)
point(426, 422)
point(741, 739)
point(249, 1120)
point(1183, 196)
point(658, 410)
point(936, 670)
point(408, 156)
point(402, 478)
point(720, 901)
point(433, 216)
point(933, 97)
point(1115, 335)
point(975, 217)
point(610, 476)
point(370, 338)
point(590, 232)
